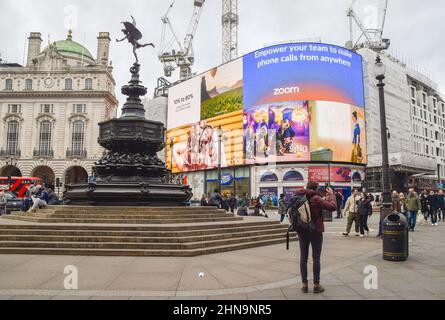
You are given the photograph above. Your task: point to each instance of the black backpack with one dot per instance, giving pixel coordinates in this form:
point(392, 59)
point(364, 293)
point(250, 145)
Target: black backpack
point(300, 217)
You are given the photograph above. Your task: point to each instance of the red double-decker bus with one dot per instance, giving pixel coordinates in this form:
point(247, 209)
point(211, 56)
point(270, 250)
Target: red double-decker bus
point(18, 185)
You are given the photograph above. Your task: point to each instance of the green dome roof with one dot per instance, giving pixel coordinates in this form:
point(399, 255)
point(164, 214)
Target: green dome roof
point(70, 46)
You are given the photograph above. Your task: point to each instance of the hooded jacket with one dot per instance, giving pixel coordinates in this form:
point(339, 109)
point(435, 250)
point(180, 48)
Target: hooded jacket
point(317, 205)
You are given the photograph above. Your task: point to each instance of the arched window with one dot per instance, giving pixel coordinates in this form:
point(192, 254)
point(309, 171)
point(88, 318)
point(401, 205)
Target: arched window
point(269, 177)
point(88, 84)
point(293, 175)
point(45, 138)
point(12, 138)
point(78, 138)
point(68, 84)
point(356, 177)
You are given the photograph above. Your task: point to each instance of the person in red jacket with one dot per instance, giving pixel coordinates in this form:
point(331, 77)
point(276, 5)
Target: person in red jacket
point(315, 238)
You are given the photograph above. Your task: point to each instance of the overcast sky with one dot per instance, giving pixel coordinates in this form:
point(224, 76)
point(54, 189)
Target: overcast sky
point(414, 27)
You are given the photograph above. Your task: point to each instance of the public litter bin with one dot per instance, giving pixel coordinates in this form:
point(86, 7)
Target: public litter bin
point(395, 237)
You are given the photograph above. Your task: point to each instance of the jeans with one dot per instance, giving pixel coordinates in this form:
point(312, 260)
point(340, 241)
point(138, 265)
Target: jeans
point(315, 240)
point(441, 213)
point(363, 224)
point(38, 203)
point(425, 215)
point(412, 218)
point(433, 214)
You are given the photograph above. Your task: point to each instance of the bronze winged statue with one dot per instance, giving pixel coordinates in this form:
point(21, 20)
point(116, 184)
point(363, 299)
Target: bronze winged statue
point(133, 35)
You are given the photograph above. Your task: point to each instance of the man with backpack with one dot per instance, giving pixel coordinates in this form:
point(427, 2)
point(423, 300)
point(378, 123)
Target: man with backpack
point(306, 216)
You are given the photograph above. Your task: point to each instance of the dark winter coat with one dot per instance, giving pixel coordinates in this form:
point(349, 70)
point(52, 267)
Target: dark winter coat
point(364, 207)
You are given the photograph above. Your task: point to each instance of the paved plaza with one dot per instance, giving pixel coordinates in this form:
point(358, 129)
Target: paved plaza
point(268, 273)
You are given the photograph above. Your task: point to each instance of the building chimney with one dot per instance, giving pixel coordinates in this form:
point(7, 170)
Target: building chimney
point(103, 48)
point(34, 47)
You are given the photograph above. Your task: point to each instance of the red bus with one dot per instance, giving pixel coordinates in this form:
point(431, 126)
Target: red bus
point(18, 185)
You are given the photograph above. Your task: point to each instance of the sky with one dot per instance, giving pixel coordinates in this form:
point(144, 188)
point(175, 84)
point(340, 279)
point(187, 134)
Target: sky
point(414, 28)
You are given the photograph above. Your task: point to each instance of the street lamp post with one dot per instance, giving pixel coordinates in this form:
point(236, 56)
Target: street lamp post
point(380, 71)
point(219, 132)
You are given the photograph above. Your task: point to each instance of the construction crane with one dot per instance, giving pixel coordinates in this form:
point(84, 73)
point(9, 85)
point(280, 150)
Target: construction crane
point(373, 36)
point(230, 22)
point(183, 57)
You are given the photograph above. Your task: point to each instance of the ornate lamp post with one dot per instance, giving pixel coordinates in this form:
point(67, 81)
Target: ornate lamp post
point(380, 70)
point(219, 132)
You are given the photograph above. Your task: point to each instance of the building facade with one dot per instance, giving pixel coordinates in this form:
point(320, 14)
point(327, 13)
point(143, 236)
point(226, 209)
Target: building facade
point(415, 119)
point(50, 110)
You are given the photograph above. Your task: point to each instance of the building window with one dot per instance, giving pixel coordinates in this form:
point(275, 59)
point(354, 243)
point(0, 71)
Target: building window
point(14, 108)
point(79, 108)
point(68, 84)
point(8, 84)
point(413, 92)
point(78, 137)
point(269, 177)
point(28, 84)
point(45, 137)
point(88, 84)
point(12, 138)
point(46, 108)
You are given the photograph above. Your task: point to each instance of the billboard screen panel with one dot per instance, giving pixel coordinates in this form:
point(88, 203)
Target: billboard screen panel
point(287, 103)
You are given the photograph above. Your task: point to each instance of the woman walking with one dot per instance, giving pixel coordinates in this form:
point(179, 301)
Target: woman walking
point(364, 211)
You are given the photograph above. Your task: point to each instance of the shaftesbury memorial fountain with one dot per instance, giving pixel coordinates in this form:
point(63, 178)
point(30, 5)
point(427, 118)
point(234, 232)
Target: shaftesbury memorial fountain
point(130, 173)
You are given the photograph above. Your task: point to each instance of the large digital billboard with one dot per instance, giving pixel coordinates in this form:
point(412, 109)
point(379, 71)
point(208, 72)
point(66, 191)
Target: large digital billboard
point(297, 102)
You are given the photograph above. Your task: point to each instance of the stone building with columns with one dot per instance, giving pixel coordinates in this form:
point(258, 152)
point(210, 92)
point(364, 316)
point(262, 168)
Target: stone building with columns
point(50, 109)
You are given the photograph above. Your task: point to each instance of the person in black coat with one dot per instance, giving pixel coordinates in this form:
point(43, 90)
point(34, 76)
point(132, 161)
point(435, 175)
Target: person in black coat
point(364, 211)
point(424, 204)
point(432, 204)
point(339, 198)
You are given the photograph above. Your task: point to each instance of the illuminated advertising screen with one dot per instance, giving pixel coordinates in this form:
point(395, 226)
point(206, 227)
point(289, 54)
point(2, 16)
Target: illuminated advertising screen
point(287, 103)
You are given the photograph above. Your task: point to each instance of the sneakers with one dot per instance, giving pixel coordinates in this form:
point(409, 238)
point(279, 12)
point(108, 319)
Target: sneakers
point(345, 234)
point(362, 236)
point(357, 234)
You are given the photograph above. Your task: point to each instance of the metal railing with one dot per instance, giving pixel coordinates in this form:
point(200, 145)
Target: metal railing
point(43, 153)
point(76, 153)
point(10, 153)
